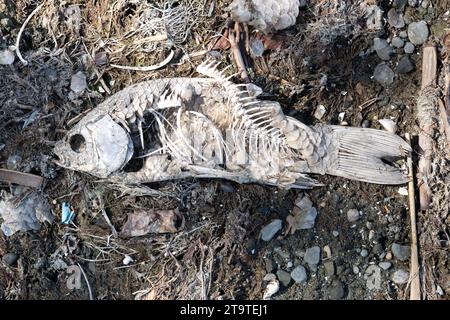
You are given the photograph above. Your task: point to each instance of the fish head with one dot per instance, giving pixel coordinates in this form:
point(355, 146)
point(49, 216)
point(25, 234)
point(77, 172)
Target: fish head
point(96, 145)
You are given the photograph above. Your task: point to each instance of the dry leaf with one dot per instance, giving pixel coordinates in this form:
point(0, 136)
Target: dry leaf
point(142, 222)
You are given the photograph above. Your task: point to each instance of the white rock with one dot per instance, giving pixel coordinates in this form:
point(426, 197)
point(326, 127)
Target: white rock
point(127, 260)
point(78, 82)
point(352, 215)
point(403, 191)
point(6, 57)
point(389, 125)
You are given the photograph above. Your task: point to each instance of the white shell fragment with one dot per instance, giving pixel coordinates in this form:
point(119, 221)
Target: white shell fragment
point(6, 57)
point(320, 112)
point(389, 125)
point(403, 191)
point(272, 287)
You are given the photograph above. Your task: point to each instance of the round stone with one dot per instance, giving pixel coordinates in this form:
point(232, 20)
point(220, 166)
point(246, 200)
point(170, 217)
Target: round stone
point(418, 32)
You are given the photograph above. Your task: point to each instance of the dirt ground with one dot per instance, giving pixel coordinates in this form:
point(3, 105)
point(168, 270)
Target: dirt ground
point(217, 252)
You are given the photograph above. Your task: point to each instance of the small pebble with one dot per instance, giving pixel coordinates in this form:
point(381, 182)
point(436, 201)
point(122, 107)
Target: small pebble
point(364, 253)
point(400, 276)
point(401, 252)
point(337, 291)
point(418, 32)
point(284, 277)
point(299, 274)
point(10, 259)
point(335, 233)
point(385, 265)
point(329, 268)
point(398, 42)
point(409, 48)
point(269, 231)
point(355, 269)
point(404, 65)
point(403, 34)
point(383, 74)
point(352, 215)
point(312, 257)
point(395, 18)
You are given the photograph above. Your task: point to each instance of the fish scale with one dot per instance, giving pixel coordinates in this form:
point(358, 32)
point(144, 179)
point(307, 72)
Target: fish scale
point(210, 127)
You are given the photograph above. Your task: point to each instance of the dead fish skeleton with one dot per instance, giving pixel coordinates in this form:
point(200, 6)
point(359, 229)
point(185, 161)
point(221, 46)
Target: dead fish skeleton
point(210, 127)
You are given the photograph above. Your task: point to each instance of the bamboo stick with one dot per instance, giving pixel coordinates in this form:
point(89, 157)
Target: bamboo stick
point(414, 266)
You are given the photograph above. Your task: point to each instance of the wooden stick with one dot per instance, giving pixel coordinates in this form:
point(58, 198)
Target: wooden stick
point(414, 267)
point(24, 179)
point(424, 106)
point(234, 39)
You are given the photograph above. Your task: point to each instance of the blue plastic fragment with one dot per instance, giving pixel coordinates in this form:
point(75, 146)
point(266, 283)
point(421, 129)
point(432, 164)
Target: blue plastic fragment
point(67, 214)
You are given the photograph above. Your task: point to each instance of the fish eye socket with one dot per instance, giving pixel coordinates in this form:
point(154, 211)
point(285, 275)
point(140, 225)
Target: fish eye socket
point(77, 143)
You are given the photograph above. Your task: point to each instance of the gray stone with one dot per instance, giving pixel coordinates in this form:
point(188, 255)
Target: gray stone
point(270, 265)
point(402, 253)
point(395, 18)
point(399, 4)
point(403, 34)
point(383, 74)
point(364, 253)
point(404, 66)
point(373, 277)
point(329, 268)
point(409, 48)
point(299, 274)
point(379, 44)
point(269, 231)
point(397, 42)
point(335, 233)
point(418, 32)
point(385, 265)
point(257, 47)
point(337, 291)
point(10, 259)
point(312, 257)
point(355, 269)
point(425, 4)
point(352, 215)
point(400, 276)
point(413, 3)
point(13, 162)
point(78, 82)
point(284, 277)
point(385, 53)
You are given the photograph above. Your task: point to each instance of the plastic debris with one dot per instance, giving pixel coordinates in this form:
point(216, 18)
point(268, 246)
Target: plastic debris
point(67, 214)
point(23, 211)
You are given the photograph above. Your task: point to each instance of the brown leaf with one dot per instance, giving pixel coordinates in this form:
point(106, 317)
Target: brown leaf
point(143, 222)
point(274, 42)
point(222, 43)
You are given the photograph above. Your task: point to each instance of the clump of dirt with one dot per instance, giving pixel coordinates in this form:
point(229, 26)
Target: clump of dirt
point(325, 59)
